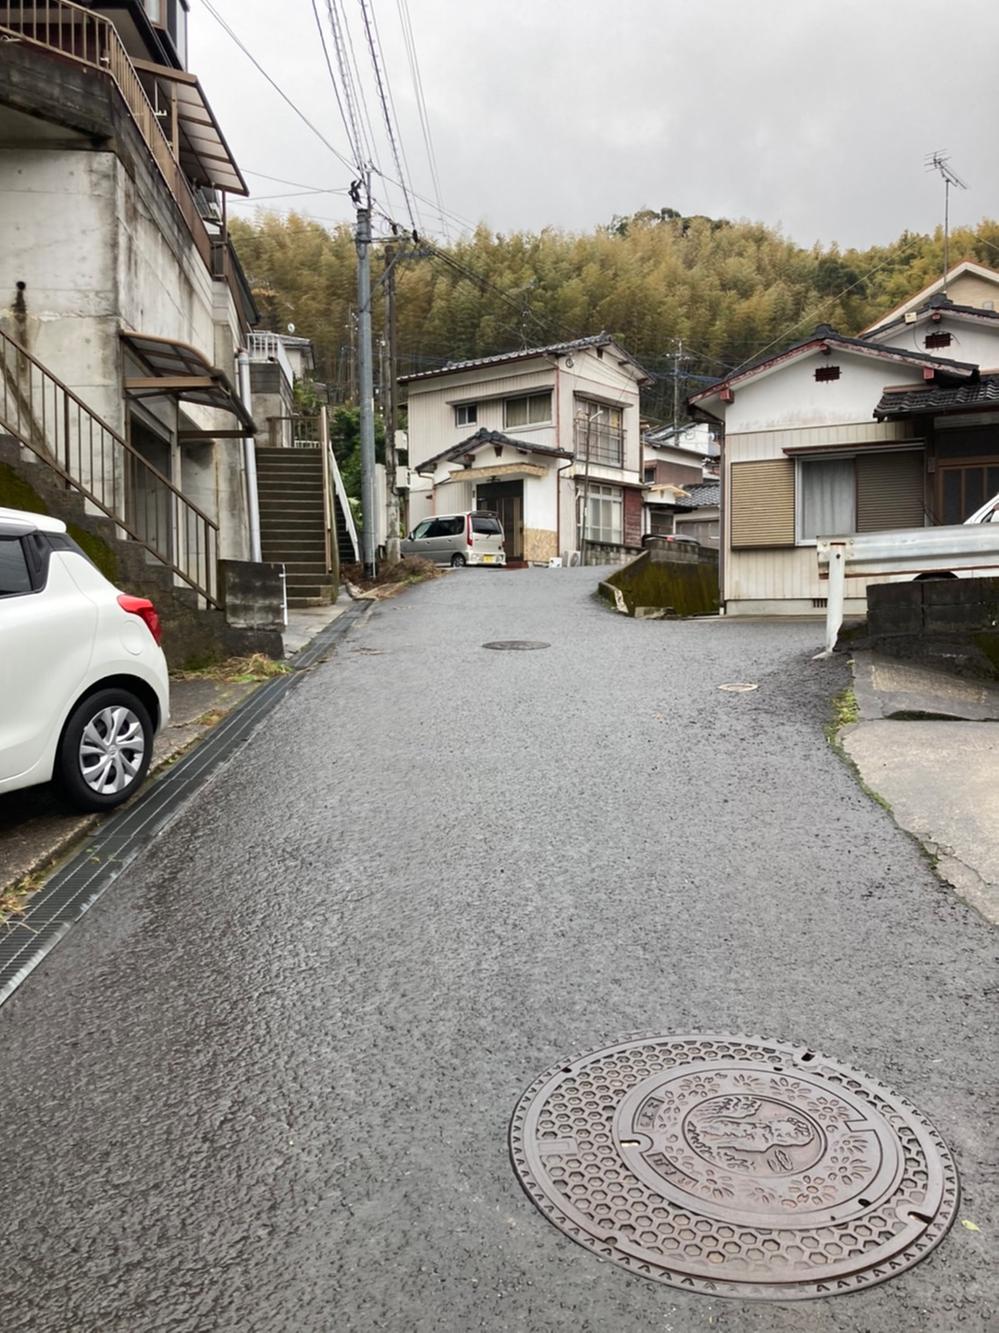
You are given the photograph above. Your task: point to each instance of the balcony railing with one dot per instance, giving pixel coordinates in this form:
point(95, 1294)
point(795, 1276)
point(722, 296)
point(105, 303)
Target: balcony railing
point(269, 347)
point(604, 444)
point(89, 39)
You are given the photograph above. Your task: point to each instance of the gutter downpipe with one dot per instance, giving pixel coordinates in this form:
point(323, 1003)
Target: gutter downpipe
point(249, 460)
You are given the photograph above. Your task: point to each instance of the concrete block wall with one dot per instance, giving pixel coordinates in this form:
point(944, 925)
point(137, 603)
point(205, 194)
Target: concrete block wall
point(952, 623)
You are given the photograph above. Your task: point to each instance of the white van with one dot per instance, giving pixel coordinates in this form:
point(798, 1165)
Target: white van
point(473, 538)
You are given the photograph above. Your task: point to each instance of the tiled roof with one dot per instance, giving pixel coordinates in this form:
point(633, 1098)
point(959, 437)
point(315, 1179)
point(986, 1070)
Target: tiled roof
point(705, 495)
point(483, 436)
point(524, 354)
point(916, 401)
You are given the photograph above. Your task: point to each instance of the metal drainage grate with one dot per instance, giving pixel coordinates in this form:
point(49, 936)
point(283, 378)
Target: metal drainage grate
point(516, 645)
point(734, 1166)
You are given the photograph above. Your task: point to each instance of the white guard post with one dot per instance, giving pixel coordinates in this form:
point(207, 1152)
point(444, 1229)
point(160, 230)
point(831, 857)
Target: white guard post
point(960, 549)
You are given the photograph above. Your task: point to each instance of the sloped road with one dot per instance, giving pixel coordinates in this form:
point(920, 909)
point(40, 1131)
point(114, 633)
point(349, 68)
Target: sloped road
point(265, 1084)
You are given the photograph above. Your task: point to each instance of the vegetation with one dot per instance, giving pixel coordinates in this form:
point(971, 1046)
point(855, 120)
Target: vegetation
point(727, 289)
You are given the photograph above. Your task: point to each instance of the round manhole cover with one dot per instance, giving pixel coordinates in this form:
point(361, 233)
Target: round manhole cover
point(734, 1166)
point(739, 687)
point(516, 645)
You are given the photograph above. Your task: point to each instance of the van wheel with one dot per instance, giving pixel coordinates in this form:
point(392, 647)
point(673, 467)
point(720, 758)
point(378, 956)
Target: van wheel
point(458, 561)
point(105, 750)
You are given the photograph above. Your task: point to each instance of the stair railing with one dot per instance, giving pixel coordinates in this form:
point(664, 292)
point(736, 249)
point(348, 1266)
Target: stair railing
point(48, 418)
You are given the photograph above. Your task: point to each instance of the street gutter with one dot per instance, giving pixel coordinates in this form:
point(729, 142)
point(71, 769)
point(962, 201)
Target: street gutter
point(72, 889)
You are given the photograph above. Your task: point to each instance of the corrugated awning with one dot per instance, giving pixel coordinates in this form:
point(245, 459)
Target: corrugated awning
point(181, 371)
point(198, 141)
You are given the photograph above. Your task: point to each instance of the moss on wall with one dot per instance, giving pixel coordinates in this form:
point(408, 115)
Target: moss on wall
point(15, 493)
point(686, 588)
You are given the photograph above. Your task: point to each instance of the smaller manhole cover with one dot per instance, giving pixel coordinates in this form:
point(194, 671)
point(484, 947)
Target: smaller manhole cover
point(516, 645)
point(734, 1165)
point(739, 687)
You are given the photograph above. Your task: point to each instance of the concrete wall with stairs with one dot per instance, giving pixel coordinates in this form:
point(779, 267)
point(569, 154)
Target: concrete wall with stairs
point(193, 634)
point(293, 523)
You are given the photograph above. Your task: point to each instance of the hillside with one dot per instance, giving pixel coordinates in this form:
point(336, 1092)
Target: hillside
point(726, 289)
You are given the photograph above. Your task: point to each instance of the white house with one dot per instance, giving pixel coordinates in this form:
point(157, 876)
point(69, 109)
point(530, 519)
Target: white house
point(675, 463)
point(894, 429)
point(529, 434)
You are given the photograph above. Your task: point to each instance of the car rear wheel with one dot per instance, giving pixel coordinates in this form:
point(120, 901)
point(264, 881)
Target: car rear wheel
point(458, 561)
point(105, 750)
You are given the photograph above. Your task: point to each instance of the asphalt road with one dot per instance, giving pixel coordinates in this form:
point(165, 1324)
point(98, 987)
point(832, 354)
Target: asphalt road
point(265, 1084)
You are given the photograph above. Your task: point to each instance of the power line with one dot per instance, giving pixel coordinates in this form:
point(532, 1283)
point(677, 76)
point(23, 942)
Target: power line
point(374, 46)
point(277, 88)
point(355, 128)
point(409, 40)
point(329, 66)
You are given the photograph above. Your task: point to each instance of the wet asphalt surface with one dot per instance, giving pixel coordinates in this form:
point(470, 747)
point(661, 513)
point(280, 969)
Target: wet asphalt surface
point(265, 1084)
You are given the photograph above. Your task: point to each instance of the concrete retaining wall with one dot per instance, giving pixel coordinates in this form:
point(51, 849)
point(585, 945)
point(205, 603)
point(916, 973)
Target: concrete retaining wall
point(674, 579)
point(951, 623)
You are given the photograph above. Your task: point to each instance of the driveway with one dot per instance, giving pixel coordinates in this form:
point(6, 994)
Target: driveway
point(266, 1083)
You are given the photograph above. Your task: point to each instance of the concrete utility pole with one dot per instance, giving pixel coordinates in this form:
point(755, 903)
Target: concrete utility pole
point(389, 407)
point(366, 394)
point(677, 362)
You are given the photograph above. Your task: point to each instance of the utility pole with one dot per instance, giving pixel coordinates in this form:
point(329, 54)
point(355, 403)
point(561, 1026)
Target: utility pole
point(677, 361)
point(389, 407)
point(366, 386)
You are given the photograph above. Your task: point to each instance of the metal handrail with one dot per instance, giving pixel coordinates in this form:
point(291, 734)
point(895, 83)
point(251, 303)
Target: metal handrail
point(78, 34)
point(48, 418)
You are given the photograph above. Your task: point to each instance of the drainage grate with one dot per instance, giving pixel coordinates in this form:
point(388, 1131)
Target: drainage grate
point(516, 645)
point(735, 1166)
point(122, 836)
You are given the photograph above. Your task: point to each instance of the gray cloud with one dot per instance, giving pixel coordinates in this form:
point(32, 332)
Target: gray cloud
point(805, 115)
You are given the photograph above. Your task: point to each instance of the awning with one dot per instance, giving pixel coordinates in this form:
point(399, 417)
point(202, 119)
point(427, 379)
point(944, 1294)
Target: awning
point(198, 141)
point(182, 372)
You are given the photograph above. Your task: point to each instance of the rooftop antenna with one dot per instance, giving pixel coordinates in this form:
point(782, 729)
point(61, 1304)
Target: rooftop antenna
point(940, 162)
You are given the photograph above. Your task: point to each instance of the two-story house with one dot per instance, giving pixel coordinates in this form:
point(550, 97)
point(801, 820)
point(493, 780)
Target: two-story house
point(126, 308)
point(896, 428)
point(534, 435)
point(675, 464)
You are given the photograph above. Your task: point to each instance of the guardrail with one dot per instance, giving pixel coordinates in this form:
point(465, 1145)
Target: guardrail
point(45, 416)
point(904, 551)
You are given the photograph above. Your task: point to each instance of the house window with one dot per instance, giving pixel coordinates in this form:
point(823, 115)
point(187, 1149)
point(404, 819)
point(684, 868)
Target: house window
point(466, 414)
point(605, 514)
point(826, 503)
point(649, 475)
point(599, 432)
point(532, 410)
point(937, 340)
point(964, 487)
point(826, 373)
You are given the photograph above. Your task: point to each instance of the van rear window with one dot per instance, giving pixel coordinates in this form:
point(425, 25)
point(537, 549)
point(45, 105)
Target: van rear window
point(486, 526)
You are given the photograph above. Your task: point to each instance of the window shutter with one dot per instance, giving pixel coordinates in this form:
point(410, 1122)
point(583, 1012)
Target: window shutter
point(762, 503)
point(889, 491)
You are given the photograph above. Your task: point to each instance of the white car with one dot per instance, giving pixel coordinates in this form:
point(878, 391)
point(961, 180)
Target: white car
point(83, 680)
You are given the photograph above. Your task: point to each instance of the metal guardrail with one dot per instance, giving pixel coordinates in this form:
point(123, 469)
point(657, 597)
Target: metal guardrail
point(78, 34)
point(904, 551)
point(45, 416)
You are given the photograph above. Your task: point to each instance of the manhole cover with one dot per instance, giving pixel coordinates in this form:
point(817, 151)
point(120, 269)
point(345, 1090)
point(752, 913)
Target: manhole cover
point(734, 1166)
point(739, 687)
point(516, 645)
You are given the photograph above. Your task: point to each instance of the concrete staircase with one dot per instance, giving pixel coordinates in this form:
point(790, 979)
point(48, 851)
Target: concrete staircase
point(293, 523)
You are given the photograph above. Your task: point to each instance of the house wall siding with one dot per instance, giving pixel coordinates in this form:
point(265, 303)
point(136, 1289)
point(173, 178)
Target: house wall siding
point(975, 342)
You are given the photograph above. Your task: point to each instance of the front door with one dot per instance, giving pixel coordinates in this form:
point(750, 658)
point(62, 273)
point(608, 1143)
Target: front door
point(506, 500)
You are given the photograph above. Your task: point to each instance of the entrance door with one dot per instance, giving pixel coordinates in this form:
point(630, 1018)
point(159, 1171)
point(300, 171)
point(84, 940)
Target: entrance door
point(150, 506)
point(506, 500)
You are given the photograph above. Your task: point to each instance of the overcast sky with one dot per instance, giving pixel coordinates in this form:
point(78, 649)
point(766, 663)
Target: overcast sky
point(808, 115)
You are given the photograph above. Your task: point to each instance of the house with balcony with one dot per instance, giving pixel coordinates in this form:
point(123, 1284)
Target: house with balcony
point(676, 462)
point(126, 307)
point(547, 437)
point(895, 428)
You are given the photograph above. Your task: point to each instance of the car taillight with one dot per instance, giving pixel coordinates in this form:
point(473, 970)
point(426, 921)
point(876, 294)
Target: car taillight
point(468, 529)
point(144, 609)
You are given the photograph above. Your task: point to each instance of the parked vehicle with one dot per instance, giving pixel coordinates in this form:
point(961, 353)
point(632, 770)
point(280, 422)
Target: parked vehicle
point(989, 513)
point(83, 680)
point(473, 538)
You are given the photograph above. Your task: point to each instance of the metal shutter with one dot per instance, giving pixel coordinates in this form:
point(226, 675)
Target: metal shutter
point(761, 498)
point(890, 491)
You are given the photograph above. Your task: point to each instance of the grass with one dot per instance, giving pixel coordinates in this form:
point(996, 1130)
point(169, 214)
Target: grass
point(14, 899)
point(392, 578)
point(845, 711)
point(237, 670)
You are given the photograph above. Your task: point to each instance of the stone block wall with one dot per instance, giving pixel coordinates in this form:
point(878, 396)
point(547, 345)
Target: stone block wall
point(948, 622)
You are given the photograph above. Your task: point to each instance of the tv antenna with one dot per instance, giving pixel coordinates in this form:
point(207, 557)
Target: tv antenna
point(940, 162)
